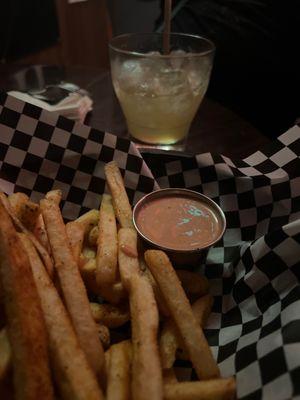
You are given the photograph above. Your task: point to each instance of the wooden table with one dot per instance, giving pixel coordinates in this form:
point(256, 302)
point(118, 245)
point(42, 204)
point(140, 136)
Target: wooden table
point(214, 128)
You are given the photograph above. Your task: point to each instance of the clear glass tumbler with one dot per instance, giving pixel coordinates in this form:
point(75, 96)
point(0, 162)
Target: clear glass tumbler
point(159, 93)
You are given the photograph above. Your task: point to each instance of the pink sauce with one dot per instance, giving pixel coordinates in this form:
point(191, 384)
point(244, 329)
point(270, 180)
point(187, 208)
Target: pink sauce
point(179, 222)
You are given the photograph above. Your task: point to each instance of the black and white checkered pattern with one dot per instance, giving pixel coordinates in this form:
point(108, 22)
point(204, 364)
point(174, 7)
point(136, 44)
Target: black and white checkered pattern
point(254, 271)
point(41, 150)
point(254, 329)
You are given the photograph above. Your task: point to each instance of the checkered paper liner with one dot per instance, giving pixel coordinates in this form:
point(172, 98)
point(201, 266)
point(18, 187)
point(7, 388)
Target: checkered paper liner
point(254, 329)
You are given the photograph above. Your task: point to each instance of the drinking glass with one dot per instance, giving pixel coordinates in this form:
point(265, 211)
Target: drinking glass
point(160, 93)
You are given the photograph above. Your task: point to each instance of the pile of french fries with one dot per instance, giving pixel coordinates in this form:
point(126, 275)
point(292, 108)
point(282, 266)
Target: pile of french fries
point(55, 343)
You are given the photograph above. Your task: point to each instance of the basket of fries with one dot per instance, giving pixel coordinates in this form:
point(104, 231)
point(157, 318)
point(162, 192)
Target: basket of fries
point(87, 313)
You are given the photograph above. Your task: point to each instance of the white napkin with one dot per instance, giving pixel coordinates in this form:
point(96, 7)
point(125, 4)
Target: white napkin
point(75, 106)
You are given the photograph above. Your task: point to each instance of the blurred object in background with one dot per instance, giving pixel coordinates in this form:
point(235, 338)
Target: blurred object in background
point(257, 64)
point(130, 16)
point(55, 32)
point(85, 31)
point(47, 87)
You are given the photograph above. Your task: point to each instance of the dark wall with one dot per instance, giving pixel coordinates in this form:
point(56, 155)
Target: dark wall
point(133, 15)
point(26, 26)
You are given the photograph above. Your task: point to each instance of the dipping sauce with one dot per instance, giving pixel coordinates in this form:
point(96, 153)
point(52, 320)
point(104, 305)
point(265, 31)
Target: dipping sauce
point(179, 222)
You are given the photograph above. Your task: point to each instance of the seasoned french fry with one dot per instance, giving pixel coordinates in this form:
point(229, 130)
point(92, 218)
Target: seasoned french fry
point(87, 272)
point(169, 339)
point(120, 199)
point(25, 322)
point(5, 354)
point(194, 285)
point(18, 224)
point(107, 360)
point(201, 309)
point(93, 236)
point(89, 220)
point(127, 255)
point(180, 309)
point(54, 195)
point(104, 335)
point(25, 210)
point(169, 376)
point(41, 234)
point(114, 294)
point(157, 293)
point(118, 372)
point(75, 234)
point(146, 368)
point(16, 200)
point(89, 253)
point(72, 286)
point(109, 315)
point(72, 371)
point(213, 389)
point(107, 251)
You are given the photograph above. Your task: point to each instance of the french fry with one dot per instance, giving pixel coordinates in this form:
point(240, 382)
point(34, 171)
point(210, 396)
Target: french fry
point(201, 309)
point(54, 195)
point(107, 360)
point(169, 339)
point(73, 374)
point(169, 376)
point(118, 372)
point(25, 210)
point(180, 309)
point(107, 251)
point(75, 234)
point(25, 322)
point(5, 354)
point(157, 293)
point(127, 255)
point(194, 284)
point(109, 315)
point(104, 335)
point(72, 286)
point(114, 294)
point(18, 224)
point(88, 220)
point(93, 236)
point(87, 272)
point(89, 253)
point(120, 199)
point(41, 234)
point(213, 389)
point(146, 368)
point(16, 200)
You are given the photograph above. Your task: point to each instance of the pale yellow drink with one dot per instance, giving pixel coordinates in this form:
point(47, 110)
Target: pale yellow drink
point(159, 118)
point(160, 94)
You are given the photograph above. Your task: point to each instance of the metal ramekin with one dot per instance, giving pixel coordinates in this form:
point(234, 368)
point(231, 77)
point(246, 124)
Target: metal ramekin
point(181, 257)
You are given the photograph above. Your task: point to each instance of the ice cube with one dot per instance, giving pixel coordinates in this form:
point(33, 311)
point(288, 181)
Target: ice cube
point(170, 82)
point(177, 60)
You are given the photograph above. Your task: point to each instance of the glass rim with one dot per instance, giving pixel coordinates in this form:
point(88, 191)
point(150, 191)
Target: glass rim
point(162, 56)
